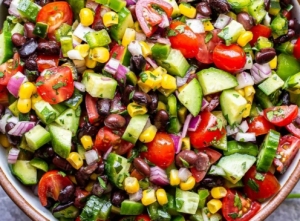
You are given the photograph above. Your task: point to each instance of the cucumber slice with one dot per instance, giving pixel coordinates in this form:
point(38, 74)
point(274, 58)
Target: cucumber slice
point(217, 171)
point(69, 120)
point(64, 29)
point(213, 80)
point(257, 10)
point(97, 38)
point(231, 32)
point(45, 112)
point(41, 29)
point(105, 211)
point(26, 173)
point(96, 209)
point(74, 101)
point(135, 128)
point(6, 47)
point(228, 184)
point(152, 210)
point(160, 51)
point(220, 116)
point(241, 148)
point(117, 5)
point(172, 106)
point(18, 29)
point(267, 151)
point(272, 84)
point(235, 166)
point(14, 108)
point(203, 194)
point(37, 137)
point(191, 97)
point(263, 42)
point(28, 9)
point(66, 44)
point(186, 201)
point(39, 164)
point(60, 108)
point(131, 208)
point(61, 140)
point(125, 21)
point(174, 126)
point(23, 145)
point(71, 212)
point(292, 84)
point(171, 206)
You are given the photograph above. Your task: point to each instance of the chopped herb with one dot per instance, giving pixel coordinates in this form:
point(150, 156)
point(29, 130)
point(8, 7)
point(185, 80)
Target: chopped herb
point(69, 115)
point(185, 164)
point(114, 55)
point(259, 176)
point(251, 120)
point(61, 173)
point(131, 95)
point(153, 76)
point(136, 106)
point(59, 85)
point(237, 201)
point(144, 148)
point(1, 74)
point(39, 83)
point(244, 165)
point(180, 28)
point(278, 156)
point(16, 64)
point(144, 77)
point(102, 183)
point(55, 8)
point(236, 95)
point(208, 37)
point(243, 139)
point(149, 163)
point(253, 185)
point(233, 215)
point(62, 121)
point(171, 33)
point(158, 9)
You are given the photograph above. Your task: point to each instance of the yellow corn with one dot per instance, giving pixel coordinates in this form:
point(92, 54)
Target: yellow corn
point(168, 82)
point(160, 71)
point(245, 38)
point(34, 99)
point(94, 176)
point(83, 50)
point(72, 178)
point(189, 184)
point(100, 54)
point(241, 92)
point(182, 87)
point(131, 185)
point(214, 205)
point(110, 18)
point(244, 10)
point(161, 197)
point(161, 106)
point(89, 187)
point(208, 26)
point(186, 144)
point(137, 27)
point(89, 62)
point(26, 90)
point(249, 90)
point(218, 192)
point(75, 160)
point(246, 112)
point(144, 87)
point(87, 142)
point(148, 135)
point(128, 37)
point(250, 99)
point(232, 15)
point(86, 16)
point(24, 105)
point(151, 79)
point(273, 63)
point(145, 49)
point(174, 179)
point(148, 197)
point(4, 141)
point(136, 109)
point(187, 10)
point(274, 11)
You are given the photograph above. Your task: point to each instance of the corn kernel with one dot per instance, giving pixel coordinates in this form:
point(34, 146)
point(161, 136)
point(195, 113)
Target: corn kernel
point(137, 27)
point(232, 15)
point(250, 99)
point(148, 135)
point(24, 105)
point(88, 71)
point(161, 197)
point(151, 79)
point(83, 50)
point(89, 62)
point(145, 49)
point(241, 92)
point(249, 90)
point(273, 63)
point(245, 38)
point(94, 176)
point(186, 144)
point(4, 141)
point(214, 205)
point(174, 179)
point(187, 10)
point(161, 106)
point(218, 192)
point(75, 160)
point(72, 178)
point(246, 112)
point(144, 87)
point(160, 71)
point(34, 99)
point(208, 26)
point(89, 187)
point(110, 18)
point(27, 89)
point(136, 109)
point(87, 142)
point(128, 37)
point(100, 54)
point(189, 184)
point(86, 16)
point(168, 82)
point(148, 197)
point(182, 87)
point(131, 185)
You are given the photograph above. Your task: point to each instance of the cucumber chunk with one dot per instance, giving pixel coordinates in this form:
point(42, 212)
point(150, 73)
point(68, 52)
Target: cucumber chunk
point(37, 137)
point(135, 128)
point(97, 38)
point(125, 21)
point(26, 173)
point(220, 144)
point(70, 212)
point(96, 209)
point(39, 164)
point(186, 201)
point(231, 32)
point(18, 29)
point(257, 10)
point(263, 99)
point(28, 9)
point(69, 120)
point(292, 84)
point(45, 112)
point(272, 84)
point(239, 3)
point(213, 80)
point(160, 51)
point(61, 140)
point(66, 44)
point(131, 208)
point(6, 47)
point(241, 148)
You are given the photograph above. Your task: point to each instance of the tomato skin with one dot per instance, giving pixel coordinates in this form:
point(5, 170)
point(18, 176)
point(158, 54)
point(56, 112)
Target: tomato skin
point(46, 62)
point(10, 68)
point(260, 31)
point(203, 136)
point(81, 196)
point(229, 58)
point(294, 129)
point(267, 188)
point(90, 104)
point(58, 75)
point(106, 139)
point(137, 174)
point(289, 146)
point(229, 208)
point(161, 150)
point(51, 184)
point(142, 217)
point(186, 41)
point(285, 117)
point(98, 21)
point(3, 95)
point(118, 50)
point(287, 14)
point(124, 147)
point(296, 51)
point(259, 125)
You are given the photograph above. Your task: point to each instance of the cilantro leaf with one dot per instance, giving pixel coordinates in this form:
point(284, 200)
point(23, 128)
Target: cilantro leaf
point(253, 185)
point(59, 85)
point(180, 28)
point(102, 183)
point(208, 37)
point(259, 176)
point(39, 83)
point(237, 201)
point(185, 164)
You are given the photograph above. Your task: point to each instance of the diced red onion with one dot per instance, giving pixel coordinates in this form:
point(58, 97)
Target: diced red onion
point(91, 5)
point(181, 81)
point(165, 21)
point(135, 48)
point(112, 66)
point(244, 79)
point(199, 16)
point(75, 42)
point(205, 103)
point(107, 153)
point(196, 25)
point(130, 2)
point(91, 157)
point(158, 176)
point(297, 120)
point(151, 62)
point(177, 142)
point(121, 75)
point(136, 196)
point(15, 83)
point(164, 41)
point(294, 41)
point(79, 86)
point(103, 10)
point(249, 62)
point(260, 72)
point(61, 56)
point(186, 125)
point(3, 122)
point(81, 31)
point(244, 126)
point(267, 20)
point(74, 55)
point(13, 119)
point(222, 21)
point(13, 8)
point(13, 155)
point(194, 123)
point(21, 128)
point(140, 36)
point(231, 131)
point(245, 137)
point(184, 174)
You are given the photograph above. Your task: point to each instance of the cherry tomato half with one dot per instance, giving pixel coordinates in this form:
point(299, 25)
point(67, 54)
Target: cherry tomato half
point(92, 112)
point(259, 125)
point(46, 62)
point(260, 31)
point(142, 217)
point(281, 115)
point(105, 139)
point(296, 51)
point(294, 128)
point(10, 68)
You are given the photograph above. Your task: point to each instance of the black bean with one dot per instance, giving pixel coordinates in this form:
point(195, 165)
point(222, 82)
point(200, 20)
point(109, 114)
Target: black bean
point(31, 75)
point(31, 65)
point(44, 152)
point(141, 166)
point(154, 102)
point(126, 94)
point(103, 106)
point(210, 181)
point(204, 9)
point(292, 23)
point(50, 203)
point(88, 129)
point(61, 207)
point(48, 48)
point(220, 6)
point(265, 55)
point(285, 98)
point(186, 156)
point(67, 194)
point(115, 121)
point(18, 40)
point(44, 2)
point(117, 197)
point(161, 120)
point(33, 118)
point(137, 64)
point(285, 38)
point(28, 29)
point(9, 126)
point(246, 20)
point(61, 163)
point(28, 48)
point(98, 189)
point(141, 98)
point(82, 176)
point(100, 169)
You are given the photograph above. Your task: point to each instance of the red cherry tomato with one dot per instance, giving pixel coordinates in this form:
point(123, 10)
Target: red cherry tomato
point(259, 125)
point(260, 31)
point(231, 210)
point(258, 186)
point(117, 52)
point(56, 85)
point(206, 132)
point(205, 53)
point(294, 128)
point(3, 95)
point(161, 150)
point(137, 175)
point(80, 198)
point(105, 139)
point(90, 104)
point(142, 217)
point(124, 147)
point(297, 49)
point(55, 14)
point(51, 184)
point(148, 17)
point(184, 39)
point(46, 62)
point(281, 115)
point(10, 68)
point(287, 150)
point(287, 14)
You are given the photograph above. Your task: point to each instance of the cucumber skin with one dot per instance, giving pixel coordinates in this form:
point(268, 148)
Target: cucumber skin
point(131, 208)
point(30, 169)
point(7, 52)
point(241, 148)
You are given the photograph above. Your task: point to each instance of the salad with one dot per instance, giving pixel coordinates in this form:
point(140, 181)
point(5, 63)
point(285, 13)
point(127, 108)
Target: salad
point(150, 109)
